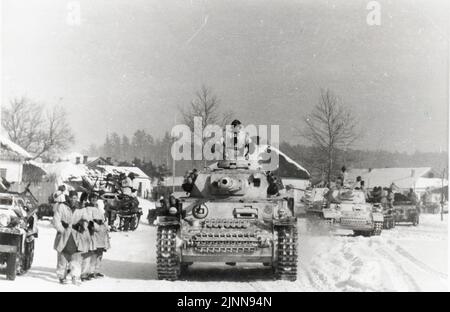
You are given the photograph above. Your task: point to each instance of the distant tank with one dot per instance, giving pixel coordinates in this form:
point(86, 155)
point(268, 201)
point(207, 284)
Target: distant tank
point(406, 210)
point(356, 214)
point(317, 206)
point(345, 208)
point(233, 212)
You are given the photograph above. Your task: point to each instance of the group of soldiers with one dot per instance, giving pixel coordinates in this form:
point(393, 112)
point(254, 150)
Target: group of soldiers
point(383, 195)
point(83, 224)
point(82, 236)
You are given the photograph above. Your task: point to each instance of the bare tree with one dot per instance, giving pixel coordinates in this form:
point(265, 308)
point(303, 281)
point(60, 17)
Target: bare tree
point(330, 128)
point(40, 132)
point(21, 120)
point(207, 106)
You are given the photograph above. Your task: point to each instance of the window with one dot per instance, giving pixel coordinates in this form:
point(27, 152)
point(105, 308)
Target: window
point(3, 172)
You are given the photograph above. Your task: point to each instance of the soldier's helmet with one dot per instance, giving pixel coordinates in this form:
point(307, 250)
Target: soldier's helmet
point(235, 123)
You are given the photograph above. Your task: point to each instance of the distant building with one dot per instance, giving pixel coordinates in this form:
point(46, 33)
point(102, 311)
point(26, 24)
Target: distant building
point(12, 158)
point(142, 182)
point(417, 178)
point(78, 158)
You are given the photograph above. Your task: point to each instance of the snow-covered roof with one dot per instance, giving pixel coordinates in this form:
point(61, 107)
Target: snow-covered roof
point(290, 160)
point(297, 183)
point(66, 171)
point(262, 148)
point(119, 169)
point(433, 183)
point(402, 177)
point(71, 156)
point(6, 143)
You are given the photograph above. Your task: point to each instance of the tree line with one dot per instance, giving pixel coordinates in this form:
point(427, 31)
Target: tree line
point(330, 131)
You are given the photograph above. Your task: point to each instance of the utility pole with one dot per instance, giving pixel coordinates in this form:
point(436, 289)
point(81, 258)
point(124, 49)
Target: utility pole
point(1, 64)
point(173, 158)
point(442, 194)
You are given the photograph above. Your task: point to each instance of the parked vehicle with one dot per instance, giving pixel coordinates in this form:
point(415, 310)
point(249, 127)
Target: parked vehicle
point(18, 230)
point(46, 209)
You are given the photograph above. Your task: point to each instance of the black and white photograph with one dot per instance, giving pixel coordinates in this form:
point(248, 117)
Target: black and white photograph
point(245, 146)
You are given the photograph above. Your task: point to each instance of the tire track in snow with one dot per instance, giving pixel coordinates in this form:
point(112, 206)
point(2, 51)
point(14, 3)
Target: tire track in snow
point(355, 264)
point(401, 251)
point(412, 284)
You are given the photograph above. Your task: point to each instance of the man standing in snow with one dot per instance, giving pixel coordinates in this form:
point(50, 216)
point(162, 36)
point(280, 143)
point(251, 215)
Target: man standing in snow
point(72, 238)
point(100, 241)
point(412, 197)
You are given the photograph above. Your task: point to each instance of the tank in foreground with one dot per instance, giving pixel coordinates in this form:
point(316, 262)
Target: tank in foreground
point(233, 213)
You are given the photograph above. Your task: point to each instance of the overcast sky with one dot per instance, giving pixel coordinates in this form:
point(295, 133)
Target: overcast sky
point(131, 63)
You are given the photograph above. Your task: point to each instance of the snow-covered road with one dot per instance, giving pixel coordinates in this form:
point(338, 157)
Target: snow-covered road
point(406, 258)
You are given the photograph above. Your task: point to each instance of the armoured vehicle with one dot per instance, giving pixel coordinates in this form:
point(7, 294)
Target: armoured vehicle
point(406, 210)
point(355, 213)
point(318, 214)
point(18, 231)
point(346, 208)
point(233, 212)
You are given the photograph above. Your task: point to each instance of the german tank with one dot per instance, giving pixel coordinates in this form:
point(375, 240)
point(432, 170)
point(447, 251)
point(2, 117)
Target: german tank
point(234, 212)
point(355, 213)
point(318, 212)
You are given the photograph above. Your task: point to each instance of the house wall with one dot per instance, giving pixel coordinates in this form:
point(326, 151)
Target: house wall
point(14, 170)
point(146, 187)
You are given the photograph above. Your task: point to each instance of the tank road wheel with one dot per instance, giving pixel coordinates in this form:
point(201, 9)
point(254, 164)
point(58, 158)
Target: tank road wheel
point(167, 258)
point(377, 228)
point(285, 266)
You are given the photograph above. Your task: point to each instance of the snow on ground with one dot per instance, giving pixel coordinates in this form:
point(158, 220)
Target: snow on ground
point(406, 258)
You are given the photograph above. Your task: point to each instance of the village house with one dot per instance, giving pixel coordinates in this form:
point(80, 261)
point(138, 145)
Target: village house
point(12, 158)
point(418, 178)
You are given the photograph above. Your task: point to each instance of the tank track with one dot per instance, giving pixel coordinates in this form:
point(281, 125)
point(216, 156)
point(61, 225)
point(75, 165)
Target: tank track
point(378, 227)
point(167, 258)
point(286, 265)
